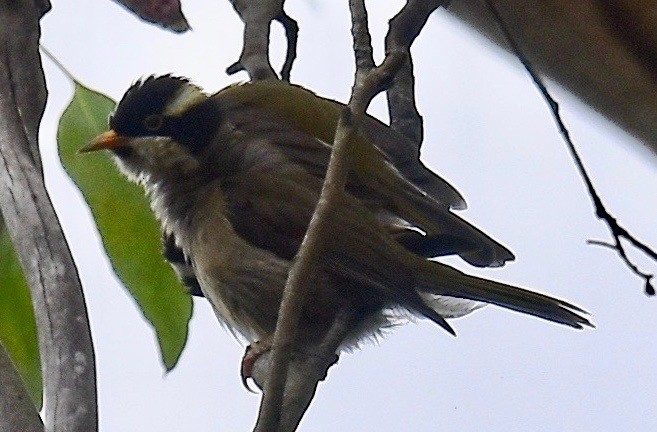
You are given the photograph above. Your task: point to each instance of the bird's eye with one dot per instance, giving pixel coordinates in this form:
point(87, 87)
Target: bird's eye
point(153, 122)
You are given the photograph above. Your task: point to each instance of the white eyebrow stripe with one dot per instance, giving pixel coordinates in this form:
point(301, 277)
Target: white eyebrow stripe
point(188, 96)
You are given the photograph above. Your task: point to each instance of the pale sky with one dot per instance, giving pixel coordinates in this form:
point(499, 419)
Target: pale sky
point(490, 134)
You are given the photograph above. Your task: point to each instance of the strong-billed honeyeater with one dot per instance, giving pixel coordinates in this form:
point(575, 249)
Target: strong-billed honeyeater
point(234, 178)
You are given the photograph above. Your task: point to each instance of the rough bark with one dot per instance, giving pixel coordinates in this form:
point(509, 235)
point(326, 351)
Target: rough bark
point(67, 355)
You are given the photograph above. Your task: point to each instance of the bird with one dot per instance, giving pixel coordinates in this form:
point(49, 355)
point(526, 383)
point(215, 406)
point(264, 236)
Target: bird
point(234, 177)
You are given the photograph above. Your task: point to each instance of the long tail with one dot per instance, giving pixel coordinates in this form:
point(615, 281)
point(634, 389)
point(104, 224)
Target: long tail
point(441, 279)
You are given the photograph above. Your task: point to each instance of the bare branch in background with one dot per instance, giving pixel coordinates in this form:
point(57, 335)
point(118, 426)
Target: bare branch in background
point(618, 232)
point(17, 412)
point(404, 28)
point(257, 18)
point(360, 33)
point(291, 33)
point(165, 13)
point(67, 355)
point(403, 113)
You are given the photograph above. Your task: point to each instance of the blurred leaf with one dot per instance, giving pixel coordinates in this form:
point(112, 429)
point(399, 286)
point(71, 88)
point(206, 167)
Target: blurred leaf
point(17, 325)
point(166, 13)
point(130, 233)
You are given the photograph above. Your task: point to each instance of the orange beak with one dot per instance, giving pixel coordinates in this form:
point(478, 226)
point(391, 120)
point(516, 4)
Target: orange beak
point(106, 141)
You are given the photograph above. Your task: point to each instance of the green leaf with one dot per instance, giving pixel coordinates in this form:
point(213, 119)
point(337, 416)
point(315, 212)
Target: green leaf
point(17, 325)
point(130, 233)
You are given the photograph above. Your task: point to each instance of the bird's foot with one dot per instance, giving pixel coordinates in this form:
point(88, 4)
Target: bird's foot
point(253, 352)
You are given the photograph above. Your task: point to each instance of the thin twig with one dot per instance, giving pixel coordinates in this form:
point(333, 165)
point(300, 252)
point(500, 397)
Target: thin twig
point(404, 28)
point(617, 231)
point(291, 34)
point(617, 246)
point(57, 63)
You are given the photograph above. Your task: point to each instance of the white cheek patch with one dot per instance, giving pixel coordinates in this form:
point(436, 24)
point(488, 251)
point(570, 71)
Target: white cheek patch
point(187, 97)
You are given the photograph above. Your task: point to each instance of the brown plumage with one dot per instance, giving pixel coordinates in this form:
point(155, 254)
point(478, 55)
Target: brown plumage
point(235, 183)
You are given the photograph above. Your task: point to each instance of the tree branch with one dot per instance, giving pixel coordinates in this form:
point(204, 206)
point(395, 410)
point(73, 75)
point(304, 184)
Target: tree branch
point(17, 412)
point(257, 17)
point(362, 40)
point(283, 404)
point(291, 34)
point(67, 355)
point(404, 28)
point(617, 231)
point(307, 366)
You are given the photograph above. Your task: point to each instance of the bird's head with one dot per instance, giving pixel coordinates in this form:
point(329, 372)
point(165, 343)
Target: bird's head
point(159, 124)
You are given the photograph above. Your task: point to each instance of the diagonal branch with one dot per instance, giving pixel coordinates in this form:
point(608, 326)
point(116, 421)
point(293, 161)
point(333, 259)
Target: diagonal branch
point(617, 231)
point(276, 413)
point(67, 355)
point(319, 229)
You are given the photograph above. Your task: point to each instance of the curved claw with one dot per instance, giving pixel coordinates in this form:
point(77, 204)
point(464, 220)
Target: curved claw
point(245, 383)
point(246, 368)
point(253, 352)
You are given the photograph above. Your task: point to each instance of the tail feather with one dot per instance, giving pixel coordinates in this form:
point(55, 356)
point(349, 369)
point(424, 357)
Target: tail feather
point(447, 281)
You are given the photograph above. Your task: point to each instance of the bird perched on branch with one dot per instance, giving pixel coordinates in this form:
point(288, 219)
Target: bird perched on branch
point(234, 178)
